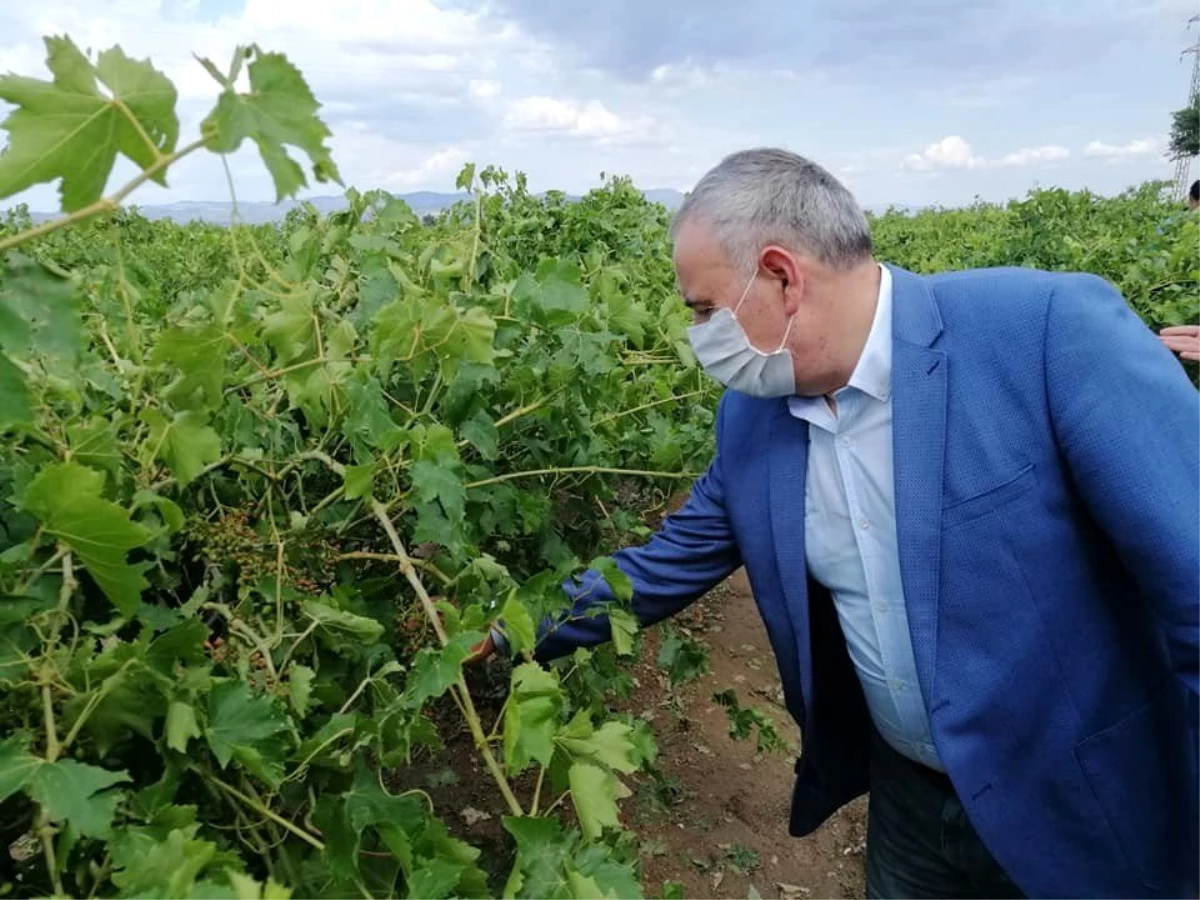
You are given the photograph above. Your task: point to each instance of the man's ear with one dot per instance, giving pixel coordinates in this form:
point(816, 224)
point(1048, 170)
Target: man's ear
point(782, 265)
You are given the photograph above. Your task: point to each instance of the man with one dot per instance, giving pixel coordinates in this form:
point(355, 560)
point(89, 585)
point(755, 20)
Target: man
point(967, 506)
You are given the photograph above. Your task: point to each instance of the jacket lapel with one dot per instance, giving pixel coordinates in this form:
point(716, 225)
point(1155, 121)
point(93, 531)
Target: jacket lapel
point(788, 465)
point(918, 449)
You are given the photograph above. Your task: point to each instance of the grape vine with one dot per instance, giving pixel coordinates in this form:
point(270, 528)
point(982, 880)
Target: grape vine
point(265, 489)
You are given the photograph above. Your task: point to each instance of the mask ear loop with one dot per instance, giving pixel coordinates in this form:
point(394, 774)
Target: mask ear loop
point(786, 332)
point(745, 291)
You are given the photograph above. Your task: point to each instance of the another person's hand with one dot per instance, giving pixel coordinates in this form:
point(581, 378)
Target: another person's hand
point(1184, 340)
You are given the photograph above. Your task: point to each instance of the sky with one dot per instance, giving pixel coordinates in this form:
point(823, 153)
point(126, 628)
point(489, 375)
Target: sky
point(921, 102)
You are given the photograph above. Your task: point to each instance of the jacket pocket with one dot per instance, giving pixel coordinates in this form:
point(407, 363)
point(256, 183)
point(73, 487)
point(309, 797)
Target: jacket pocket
point(990, 500)
point(1141, 774)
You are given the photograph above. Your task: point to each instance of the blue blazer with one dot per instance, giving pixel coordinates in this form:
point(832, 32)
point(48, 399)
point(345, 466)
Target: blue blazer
point(1047, 482)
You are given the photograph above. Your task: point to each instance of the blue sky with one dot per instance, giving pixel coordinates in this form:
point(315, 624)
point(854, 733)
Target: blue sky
point(920, 102)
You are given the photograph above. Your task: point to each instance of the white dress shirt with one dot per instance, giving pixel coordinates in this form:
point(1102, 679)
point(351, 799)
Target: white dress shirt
point(850, 536)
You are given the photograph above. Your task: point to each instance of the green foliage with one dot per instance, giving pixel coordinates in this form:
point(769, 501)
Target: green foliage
point(744, 719)
point(684, 658)
point(70, 129)
point(239, 461)
point(1185, 131)
point(1142, 240)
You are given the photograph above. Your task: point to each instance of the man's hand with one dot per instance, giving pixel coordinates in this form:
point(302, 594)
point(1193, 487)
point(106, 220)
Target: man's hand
point(1184, 340)
point(481, 651)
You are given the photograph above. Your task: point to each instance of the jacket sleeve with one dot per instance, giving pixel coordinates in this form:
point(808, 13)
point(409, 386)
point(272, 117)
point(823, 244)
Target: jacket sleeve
point(1127, 420)
point(692, 552)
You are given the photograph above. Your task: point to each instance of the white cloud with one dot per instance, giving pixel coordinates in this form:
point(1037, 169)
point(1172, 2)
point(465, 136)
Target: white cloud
point(482, 89)
point(954, 152)
point(447, 161)
point(1151, 146)
point(588, 120)
point(949, 153)
point(1032, 155)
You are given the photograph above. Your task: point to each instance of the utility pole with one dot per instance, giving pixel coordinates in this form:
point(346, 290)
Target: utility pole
point(1184, 164)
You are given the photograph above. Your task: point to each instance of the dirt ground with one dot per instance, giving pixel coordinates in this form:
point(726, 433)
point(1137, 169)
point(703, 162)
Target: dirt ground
point(716, 820)
point(727, 832)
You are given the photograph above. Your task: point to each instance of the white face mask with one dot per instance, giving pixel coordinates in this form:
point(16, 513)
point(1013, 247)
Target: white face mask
point(727, 355)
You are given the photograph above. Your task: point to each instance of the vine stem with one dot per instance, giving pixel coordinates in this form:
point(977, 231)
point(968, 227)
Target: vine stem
point(653, 403)
point(392, 557)
point(463, 694)
point(569, 470)
point(104, 204)
point(53, 747)
point(265, 811)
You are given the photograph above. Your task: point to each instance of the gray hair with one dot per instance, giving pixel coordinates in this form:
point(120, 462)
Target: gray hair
point(757, 197)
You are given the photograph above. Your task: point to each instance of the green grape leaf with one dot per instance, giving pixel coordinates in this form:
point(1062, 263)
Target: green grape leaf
point(181, 725)
point(358, 480)
point(66, 498)
point(39, 311)
point(237, 719)
point(543, 851)
point(300, 679)
point(278, 110)
point(73, 792)
point(341, 628)
point(584, 887)
point(186, 443)
point(433, 526)
point(198, 352)
point(247, 888)
point(434, 879)
point(184, 643)
point(624, 627)
point(433, 671)
point(472, 337)
point(482, 434)
point(367, 422)
point(518, 624)
point(595, 793)
point(94, 443)
point(17, 766)
point(69, 129)
point(167, 508)
point(618, 582)
point(15, 408)
point(147, 867)
point(531, 716)
point(628, 317)
point(436, 481)
point(553, 299)
point(610, 744)
point(616, 879)
point(291, 330)
point(685, 659)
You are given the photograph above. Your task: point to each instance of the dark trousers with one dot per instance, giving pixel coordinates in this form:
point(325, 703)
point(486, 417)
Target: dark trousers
point(919, 840)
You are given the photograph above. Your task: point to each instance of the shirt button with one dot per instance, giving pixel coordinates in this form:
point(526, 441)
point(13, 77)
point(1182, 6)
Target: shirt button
point(898, 684)
point(864, 524)
point(845, 441)
point(881, 606)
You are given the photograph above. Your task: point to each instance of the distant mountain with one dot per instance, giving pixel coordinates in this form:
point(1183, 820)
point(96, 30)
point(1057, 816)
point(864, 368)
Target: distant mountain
point(255, 213)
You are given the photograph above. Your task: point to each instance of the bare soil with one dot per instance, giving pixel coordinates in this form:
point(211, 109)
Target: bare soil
point(716, 818)
point(727, 831)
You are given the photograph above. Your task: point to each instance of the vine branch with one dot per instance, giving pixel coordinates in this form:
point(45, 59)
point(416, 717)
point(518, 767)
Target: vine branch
point(463, 694)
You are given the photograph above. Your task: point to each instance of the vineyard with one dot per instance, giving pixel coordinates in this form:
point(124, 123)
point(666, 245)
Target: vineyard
point(263, 488)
